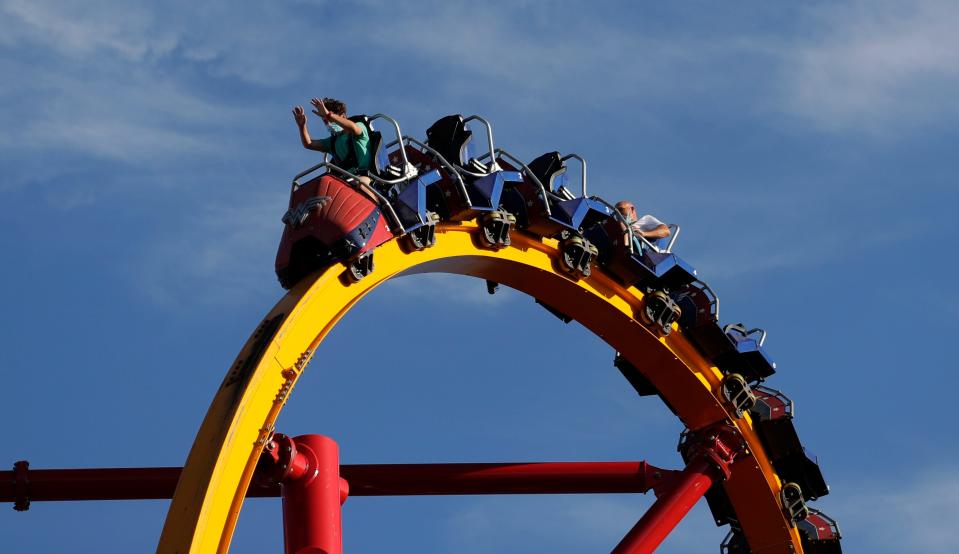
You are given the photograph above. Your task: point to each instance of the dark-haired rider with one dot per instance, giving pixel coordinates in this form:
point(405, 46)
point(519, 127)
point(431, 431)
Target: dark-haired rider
point(348, 143)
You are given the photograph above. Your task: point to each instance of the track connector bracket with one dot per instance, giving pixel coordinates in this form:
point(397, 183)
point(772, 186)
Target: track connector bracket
point(495, 229)
point(360, 267)
point(719, 444)
point(738, 394)
point(659, 310)
point(423, 236)
point(577, 255)
point(793, 504)
point(21, 486)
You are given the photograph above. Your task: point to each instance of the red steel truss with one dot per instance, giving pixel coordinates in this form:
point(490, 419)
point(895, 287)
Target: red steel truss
point(306, 473)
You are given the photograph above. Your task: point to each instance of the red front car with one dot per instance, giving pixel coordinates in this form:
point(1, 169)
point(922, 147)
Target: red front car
point(328, 221)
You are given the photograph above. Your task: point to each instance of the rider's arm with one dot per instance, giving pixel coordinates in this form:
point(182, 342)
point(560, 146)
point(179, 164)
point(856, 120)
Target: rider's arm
point(320, 145)
point(349, 126)
point(662, 231)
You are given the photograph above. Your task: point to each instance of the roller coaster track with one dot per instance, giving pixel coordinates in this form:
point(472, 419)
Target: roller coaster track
point(240, 420)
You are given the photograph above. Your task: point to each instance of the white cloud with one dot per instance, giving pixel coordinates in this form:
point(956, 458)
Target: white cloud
point(87, 29)
point(221, 256)
point(876, 66)
point(901, 514)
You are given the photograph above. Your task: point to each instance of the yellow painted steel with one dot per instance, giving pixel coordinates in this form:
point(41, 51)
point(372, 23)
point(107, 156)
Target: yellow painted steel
point(214, 481)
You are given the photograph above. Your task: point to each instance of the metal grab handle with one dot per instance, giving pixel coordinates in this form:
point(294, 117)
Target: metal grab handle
point(399, 137)
point(449, 167)
point(762, 334)
point(583, 174)
point(529, 173)
point(296, 179)
point(489, 138)
point(673, 234)
point(350, 181)
point(742, 329)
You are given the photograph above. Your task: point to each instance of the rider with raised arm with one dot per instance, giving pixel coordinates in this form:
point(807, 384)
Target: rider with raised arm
point(647, 227)
point(348, 143)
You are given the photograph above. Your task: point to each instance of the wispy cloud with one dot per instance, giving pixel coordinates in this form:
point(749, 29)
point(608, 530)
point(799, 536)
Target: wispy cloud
point(906, 514)
point(91, 29)
point(221, 256)
point(875, 66)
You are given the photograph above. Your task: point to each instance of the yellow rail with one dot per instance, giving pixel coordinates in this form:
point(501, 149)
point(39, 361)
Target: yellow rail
point(213, 484)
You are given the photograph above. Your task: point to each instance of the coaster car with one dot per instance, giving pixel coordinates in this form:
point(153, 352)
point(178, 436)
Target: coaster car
point(819, 534)
point(641, 262)
point(467, 188)
point(747, 357)
point(544, 207)
point(773, 419)
point(330, 219)
point(700, 318)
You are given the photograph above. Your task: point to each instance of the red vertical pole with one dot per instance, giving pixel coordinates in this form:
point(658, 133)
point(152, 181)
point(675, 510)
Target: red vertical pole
point(312, 495)
point(669, 509)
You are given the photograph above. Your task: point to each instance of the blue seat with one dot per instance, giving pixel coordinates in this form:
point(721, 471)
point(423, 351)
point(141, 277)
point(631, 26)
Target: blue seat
point(410, 202)
point(700, 318)
point(749, 358)
point(449, 139)
point(773, 420)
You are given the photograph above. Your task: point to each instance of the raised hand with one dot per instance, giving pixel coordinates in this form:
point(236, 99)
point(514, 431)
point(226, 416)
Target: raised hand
point(320, 108)
point(299, 115)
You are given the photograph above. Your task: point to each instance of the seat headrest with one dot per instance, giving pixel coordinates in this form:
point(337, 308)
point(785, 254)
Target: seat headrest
point(547, 167)
point(362, 118)
point(449, 136)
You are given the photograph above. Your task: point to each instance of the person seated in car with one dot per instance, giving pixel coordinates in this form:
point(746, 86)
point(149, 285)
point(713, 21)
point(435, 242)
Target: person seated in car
point(348, 143)
point(647, 227)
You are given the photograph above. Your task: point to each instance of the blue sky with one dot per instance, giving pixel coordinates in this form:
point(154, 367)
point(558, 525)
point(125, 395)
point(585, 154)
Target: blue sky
point(144, 162)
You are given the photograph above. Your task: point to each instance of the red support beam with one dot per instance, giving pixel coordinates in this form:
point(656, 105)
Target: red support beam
point(504, 478)
point(711, 452)
point(668, 510)
point(365, 480)
point(312, 495)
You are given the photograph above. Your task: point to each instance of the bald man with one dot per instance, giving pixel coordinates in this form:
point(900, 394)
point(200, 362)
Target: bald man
point(647, 227)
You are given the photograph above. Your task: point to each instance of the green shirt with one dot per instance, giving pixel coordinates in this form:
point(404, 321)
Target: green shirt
point(364, 158)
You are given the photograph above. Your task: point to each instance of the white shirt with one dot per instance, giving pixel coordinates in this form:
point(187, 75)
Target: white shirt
point(645, 224)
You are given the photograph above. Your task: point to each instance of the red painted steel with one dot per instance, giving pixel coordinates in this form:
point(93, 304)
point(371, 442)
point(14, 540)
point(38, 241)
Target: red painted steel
point(668, 510)
point(312, 496)
point(504, 478)
point(711, 452)
point(365, 480)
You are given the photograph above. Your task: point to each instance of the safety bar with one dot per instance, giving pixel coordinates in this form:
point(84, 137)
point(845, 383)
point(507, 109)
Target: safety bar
point(399, 136)
point(499, 152)
point(583, 174)
point(489, 137)
point(439, 157)
point(762, 334)
point(619, 216)
point(673, 235)
point(742, 329)
point(350, 180)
